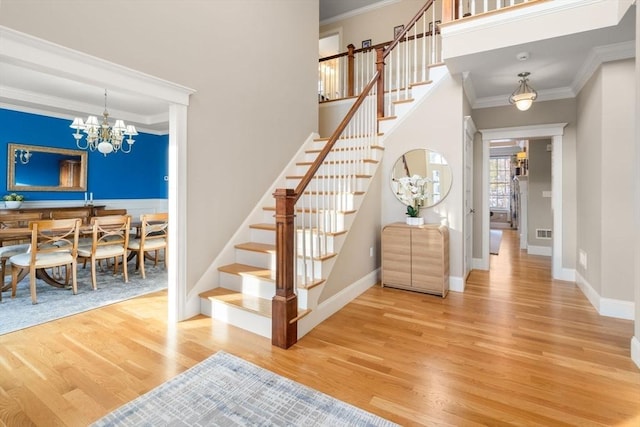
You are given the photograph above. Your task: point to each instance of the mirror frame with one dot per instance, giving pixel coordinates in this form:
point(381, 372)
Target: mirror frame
point(444, 191)
point(11, 178)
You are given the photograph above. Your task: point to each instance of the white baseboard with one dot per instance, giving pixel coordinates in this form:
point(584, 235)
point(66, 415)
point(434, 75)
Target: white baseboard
point(456, 284)
point(609, 307)
point(329, 307)
point(539, 250)
point(635, 351)
point(566, 274)
point(479, 264)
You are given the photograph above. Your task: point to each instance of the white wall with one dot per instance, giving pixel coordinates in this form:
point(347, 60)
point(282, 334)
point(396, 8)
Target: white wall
point(253, 64)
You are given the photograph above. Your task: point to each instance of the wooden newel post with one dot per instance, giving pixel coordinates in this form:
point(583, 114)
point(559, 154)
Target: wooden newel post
point(351, 70)
point(284, 306)
point(449, 10)
point(380, 84)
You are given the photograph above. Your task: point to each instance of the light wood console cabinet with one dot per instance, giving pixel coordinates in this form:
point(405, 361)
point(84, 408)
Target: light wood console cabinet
point(416, 257)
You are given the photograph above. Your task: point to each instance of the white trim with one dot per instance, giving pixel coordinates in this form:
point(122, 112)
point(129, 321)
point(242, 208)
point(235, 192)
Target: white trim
point(609, 307)
point(567, 275)
point(554, 130)
point(635, 351)
point(34, 53)
point(599, 55)
point(456, 284)
point(479, 264)
point(539, 250)
point(330, 306)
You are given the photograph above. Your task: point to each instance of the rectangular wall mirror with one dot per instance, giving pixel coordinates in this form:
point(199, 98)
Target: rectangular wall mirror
point(35, 168)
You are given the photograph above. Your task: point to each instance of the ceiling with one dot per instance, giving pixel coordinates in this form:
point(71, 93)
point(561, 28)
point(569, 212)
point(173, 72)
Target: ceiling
point(492, 75)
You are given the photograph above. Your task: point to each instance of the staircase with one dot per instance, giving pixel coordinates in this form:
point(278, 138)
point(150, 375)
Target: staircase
point(324, 214)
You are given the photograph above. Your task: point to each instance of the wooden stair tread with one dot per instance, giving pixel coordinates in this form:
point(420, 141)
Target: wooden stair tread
point(249, 270)
point(333, 162)
point(260, 306)
point(326, 138)
point(354, 193)
point(403, 101)
point(264, 226)
point(426, 82)
point(307, 210)
point(264, 274)
point(373, 147)
point(381, 119)
point(257, 247)
point(326, 176)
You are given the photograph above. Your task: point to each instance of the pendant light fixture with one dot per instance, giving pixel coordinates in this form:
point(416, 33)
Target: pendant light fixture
point(101, 136)
point(524, 95)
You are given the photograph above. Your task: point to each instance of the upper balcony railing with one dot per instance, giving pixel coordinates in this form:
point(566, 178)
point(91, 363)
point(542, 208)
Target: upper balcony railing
point(345, 74)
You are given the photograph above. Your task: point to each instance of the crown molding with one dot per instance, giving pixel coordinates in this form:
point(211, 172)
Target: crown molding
point(599, 55)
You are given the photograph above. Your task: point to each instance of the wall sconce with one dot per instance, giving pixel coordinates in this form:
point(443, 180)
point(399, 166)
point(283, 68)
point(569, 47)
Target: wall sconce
point(22, 155)
point(524, 95)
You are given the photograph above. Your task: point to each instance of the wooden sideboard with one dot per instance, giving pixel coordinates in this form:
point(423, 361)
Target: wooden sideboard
point(416, 258)
point(46, 211)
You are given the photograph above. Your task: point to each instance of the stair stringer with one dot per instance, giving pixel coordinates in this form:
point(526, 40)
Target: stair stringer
point(242, 234)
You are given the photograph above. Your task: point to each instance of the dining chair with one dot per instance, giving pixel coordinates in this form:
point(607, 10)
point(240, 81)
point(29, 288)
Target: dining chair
point(153, 238)
point(13, 244)
point(54, 243)
point(109, 239)
point(83, 214)
point(109, 212)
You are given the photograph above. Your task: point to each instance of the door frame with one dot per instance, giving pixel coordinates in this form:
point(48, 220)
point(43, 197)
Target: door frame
point(555, 131)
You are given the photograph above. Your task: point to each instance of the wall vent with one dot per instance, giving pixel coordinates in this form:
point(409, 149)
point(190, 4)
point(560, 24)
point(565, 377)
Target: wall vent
point(543, 234)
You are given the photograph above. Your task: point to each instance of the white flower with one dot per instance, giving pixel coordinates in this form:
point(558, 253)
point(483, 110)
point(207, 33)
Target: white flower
point(412, 190)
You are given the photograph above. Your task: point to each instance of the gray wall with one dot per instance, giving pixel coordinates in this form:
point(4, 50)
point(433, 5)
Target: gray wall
point(539, 213)
point(560, 111)
point(253, 64)
point(606, 117)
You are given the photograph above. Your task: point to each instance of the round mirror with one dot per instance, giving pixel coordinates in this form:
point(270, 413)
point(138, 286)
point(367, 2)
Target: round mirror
point(421, 178)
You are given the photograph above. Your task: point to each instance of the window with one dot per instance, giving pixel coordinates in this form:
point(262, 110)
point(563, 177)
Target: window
point(499, 183)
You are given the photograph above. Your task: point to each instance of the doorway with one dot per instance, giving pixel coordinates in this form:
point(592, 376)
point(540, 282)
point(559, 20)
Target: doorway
point(555, 132)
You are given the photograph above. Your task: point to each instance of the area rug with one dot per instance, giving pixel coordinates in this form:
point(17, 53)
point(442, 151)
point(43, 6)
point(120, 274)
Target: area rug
point(225, 390)
point(495, 238)
point(53, 303)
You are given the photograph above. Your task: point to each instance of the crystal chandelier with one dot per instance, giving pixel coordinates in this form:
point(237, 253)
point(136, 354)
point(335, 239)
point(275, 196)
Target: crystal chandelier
point(101, 136)
point(524, 95)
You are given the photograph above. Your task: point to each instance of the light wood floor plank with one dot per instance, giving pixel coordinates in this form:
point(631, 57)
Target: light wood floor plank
point(516, 348)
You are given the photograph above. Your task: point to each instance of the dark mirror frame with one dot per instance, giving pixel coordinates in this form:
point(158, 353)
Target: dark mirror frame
point(79, 181)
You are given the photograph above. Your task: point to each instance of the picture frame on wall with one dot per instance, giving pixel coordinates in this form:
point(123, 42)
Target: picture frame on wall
point(438, 22)
point(397, 30)
point(366, 43)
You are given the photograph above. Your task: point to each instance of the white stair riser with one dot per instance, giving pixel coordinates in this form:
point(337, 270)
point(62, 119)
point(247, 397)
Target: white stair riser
point(372, 153)
point(249, 285)
point(342, 142)
point(348, 184)
point(259, 235)
point(385, 125)
point(244, 319)
point(344, 167)
point(402, 108)
point(309, 268)
point(341, 201)
point(258, 259)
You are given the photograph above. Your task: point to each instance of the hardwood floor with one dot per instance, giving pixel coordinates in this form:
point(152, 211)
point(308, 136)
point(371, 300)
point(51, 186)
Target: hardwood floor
point(515, 348)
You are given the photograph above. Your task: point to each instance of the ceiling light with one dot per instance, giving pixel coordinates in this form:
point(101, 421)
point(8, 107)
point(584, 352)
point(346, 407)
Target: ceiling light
point(101, 136)
point(524, 95)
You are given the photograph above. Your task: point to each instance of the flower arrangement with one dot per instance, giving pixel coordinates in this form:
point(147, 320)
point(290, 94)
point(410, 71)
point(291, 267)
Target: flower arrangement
point(413, 191)
point(13, 197)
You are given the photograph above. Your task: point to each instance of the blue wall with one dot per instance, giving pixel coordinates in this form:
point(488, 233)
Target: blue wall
point(137, 175)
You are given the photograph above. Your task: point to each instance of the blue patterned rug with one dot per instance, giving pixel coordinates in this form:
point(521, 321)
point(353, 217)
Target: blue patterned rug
point(225, 390)
point(54, 303)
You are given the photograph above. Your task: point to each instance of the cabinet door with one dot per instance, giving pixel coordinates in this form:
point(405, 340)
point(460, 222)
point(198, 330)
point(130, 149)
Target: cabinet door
point(396, 256)
point(426, 267)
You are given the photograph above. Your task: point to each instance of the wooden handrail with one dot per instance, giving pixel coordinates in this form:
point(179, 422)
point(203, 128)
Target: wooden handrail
point(285, 302)
point(407, 27)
